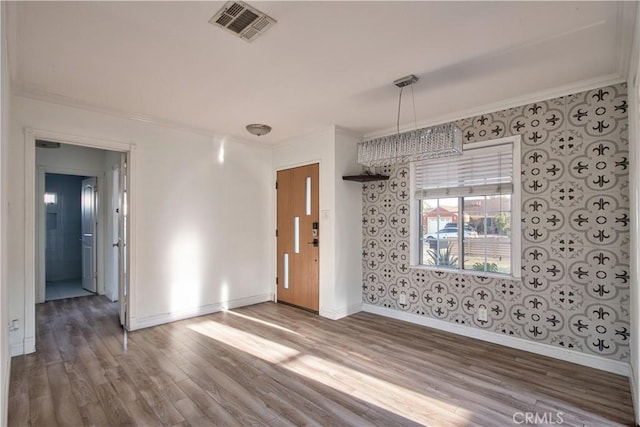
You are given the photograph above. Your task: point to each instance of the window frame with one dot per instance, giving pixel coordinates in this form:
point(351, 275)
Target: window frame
point(516, 225)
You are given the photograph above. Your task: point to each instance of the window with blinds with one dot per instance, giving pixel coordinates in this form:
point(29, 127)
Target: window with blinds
point(467, 220)
point(485, 171)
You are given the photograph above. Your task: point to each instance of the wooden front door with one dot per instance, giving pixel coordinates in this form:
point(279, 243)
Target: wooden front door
point(298, 236)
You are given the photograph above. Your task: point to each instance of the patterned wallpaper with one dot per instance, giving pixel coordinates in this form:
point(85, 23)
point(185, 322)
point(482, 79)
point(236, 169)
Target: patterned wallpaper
point(574, 290)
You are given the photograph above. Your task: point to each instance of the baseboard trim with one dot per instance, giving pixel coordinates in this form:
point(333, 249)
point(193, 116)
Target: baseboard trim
point(159, 319)
point(620, 368)
point(341, 312)
point(16, 349)
point(5, 393)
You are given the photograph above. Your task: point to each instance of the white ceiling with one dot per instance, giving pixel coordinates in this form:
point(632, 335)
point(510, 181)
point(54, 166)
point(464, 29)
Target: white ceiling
point(323, 63)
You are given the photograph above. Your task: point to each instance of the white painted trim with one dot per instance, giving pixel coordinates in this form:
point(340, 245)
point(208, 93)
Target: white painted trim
point(29, 323)
point(131, 236)
point(149, 321)
point(16, 349)
point(29, 345)
point(516, 211)
point(5, 391)
point(40, 244)
point(634, 202)
point(341, 312)
point(568, 89)
point(22, 347)
point(592, 361)
point(24, 90)
point(30, 135)
point(66, 138)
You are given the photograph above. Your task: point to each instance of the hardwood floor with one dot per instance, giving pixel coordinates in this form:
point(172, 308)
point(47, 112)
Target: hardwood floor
point(276, 365)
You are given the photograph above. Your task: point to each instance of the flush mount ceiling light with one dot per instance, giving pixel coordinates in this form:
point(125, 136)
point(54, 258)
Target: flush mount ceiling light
point(243, 20)
point(432, 142)
point(258, 129)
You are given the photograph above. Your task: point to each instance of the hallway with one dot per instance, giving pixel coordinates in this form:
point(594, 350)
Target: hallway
point(61, 289)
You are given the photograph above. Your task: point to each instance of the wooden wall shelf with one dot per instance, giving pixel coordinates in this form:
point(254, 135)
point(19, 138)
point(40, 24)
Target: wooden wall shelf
point(365, 178)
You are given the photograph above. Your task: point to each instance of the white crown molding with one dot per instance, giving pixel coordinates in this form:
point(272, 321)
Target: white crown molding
point(24, 91)
point(539, 96)
point(146, 322)
point(592, 361)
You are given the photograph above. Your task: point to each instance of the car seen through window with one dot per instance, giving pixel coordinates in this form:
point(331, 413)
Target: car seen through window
point(450, 230)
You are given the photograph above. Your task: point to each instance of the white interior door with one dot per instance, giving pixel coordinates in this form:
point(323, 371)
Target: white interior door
point(88, 206)
point(121, 243)
point(113, 291)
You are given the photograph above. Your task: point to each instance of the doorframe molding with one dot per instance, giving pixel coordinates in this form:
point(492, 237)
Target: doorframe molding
point(30, 136)
point(40, 237)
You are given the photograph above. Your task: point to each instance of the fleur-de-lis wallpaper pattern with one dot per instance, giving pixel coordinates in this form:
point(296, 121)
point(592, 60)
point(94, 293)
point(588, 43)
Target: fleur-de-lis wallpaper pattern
point(574, 290)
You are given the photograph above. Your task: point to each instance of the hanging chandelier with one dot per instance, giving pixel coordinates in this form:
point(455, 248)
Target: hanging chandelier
point(419, 144)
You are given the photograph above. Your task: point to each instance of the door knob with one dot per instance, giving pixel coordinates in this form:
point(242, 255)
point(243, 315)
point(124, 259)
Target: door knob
point(116, 245)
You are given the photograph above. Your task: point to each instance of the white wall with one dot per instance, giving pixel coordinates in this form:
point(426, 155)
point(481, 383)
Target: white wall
point(200, 229)
point(71, 158)
point(348, 208)
point(634, 207)
point(5, 361)
point(340, 214)
point(316, 148)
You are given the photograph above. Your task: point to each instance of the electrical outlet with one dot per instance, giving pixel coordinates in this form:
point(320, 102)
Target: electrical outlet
point(403, 298)
point(482, 313)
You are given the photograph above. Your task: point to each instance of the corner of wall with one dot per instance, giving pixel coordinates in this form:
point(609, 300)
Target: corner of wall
point(634, 208)
point(5, 96)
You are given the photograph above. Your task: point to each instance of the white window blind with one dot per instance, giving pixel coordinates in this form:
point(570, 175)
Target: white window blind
point(478, 171)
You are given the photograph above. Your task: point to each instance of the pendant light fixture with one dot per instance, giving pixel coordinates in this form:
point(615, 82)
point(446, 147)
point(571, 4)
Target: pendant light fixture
point(425, 143)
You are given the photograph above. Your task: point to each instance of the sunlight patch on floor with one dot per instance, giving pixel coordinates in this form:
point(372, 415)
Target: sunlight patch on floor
point(392, 397)
point(263, 322)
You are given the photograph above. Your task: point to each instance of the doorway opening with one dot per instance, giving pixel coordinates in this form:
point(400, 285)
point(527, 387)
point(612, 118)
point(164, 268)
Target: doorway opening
point(298, 236)
point(34, 223)
point(80, 223)
point(70, 236)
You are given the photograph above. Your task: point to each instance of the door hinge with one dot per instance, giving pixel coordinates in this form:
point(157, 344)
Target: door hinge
point(276, 185)
point(276, 280)
point(276, 232)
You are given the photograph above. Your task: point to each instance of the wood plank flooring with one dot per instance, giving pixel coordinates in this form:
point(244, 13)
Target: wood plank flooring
point(275, 365)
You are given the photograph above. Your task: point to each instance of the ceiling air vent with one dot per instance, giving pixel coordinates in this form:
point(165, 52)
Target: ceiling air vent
point(243, 20)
